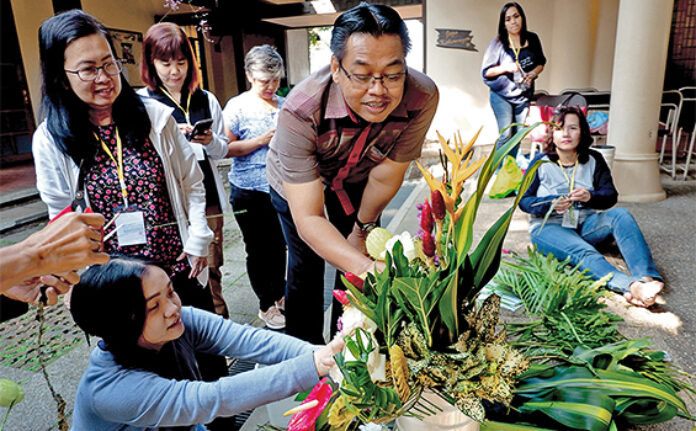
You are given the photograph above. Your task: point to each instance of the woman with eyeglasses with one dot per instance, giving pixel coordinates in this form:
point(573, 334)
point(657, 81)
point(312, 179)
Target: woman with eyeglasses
point(511, 64)
point(121, 155)
point(250, 120)
point(170, 72)
point(577, 182)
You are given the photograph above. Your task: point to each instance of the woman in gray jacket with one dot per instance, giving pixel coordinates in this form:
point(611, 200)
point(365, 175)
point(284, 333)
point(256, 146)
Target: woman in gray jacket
point(124, 157)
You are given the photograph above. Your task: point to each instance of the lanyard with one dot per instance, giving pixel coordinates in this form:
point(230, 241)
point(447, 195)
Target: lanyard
point(119, 163)
point(571, 182)
point(516, 51)
point(188, 104)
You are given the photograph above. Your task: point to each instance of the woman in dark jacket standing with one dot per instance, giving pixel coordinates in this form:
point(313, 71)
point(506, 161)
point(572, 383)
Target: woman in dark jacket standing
point(513, 60)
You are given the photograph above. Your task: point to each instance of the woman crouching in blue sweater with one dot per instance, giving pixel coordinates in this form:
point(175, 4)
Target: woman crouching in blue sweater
point(144, 375)
point(579, 180)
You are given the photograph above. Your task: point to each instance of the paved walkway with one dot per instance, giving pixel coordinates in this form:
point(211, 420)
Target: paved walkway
point(669, 227)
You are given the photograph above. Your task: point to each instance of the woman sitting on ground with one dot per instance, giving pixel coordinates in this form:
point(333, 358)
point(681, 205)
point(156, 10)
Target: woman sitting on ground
point(144, 374)
point(579, 181)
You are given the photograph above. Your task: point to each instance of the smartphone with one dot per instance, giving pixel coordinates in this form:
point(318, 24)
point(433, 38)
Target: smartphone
point(200, 127)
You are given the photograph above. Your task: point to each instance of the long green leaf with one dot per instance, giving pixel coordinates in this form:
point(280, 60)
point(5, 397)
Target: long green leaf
point(486, 258)
point(612, 383)
point(448, 304)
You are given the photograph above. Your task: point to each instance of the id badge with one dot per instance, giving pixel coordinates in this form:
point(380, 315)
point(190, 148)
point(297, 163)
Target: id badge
point(130, 228)
point(570, 219)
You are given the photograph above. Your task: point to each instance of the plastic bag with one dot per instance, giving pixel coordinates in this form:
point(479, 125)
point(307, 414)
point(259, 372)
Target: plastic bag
point(508, 180)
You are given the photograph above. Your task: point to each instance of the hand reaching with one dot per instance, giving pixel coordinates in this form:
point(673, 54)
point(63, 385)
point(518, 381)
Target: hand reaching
point(29, 291)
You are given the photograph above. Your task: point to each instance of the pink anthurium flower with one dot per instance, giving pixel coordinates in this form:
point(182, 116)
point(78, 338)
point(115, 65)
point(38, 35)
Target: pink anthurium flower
point(305, 420)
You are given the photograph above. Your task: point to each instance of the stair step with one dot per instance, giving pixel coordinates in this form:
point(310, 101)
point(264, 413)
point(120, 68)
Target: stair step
point(18, 196)
point(14, 217)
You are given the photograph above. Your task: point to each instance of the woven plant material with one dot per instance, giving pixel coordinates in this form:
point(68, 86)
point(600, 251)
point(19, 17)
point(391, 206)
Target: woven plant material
point(18, 348)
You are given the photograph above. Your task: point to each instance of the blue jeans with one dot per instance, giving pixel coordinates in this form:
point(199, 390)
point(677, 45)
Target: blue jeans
point(578, 244)
point(505, 114)
point(263, 241)
point(304, 292)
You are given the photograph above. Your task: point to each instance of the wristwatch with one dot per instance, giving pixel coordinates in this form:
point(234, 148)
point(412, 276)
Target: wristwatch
point(365, 227)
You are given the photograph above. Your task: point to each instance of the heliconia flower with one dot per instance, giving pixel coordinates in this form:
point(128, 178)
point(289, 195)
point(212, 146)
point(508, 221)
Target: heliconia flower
point(354, 280)
point(461, 170)
point(428, 245)
point(438, 207)
point(306, 420)
point(341, 296)
point(426, 221)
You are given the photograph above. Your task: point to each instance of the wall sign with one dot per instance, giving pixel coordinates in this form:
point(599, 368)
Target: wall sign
point(451, 38)
point(129, 48)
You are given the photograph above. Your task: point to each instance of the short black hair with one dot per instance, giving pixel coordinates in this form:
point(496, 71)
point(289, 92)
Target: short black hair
point(109, 302)
point(376, 20)
point(586, 140)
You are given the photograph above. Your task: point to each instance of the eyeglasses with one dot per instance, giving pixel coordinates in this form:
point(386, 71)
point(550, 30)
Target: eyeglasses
point(360, 80)
point(90, 73)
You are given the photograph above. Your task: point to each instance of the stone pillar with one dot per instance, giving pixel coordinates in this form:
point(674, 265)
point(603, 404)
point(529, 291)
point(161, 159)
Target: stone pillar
point(570, 57)
point(642, 37)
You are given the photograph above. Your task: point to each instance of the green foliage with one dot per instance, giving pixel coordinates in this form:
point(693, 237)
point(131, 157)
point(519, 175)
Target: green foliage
point(362, 396)
point(564, 303)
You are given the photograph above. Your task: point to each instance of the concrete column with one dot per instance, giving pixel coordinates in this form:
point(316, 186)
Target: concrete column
point(570, 58)
point(642, 36)
point(297, 58)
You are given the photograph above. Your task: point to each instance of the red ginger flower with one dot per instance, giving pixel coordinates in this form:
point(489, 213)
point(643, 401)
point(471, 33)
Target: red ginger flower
point(428, 245)
point(341, 296)
point(426, 221)
point(438, 208)
point(306, 419)
point(355, 280)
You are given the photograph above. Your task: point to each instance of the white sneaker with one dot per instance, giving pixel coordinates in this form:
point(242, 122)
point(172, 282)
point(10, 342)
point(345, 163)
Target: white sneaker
point(273, 318)
point(280, 304)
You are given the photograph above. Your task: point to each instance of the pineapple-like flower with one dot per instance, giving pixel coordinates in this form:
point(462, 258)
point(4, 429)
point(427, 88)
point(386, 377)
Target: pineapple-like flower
point(462, 169)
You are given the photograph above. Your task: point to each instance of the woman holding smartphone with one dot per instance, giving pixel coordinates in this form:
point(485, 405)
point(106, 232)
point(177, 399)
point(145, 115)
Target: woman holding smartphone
point(170, 71)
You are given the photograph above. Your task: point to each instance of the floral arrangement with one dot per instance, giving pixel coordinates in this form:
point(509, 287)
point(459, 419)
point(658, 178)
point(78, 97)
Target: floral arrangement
point(418, 324)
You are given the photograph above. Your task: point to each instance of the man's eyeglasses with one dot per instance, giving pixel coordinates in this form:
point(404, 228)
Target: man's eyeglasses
point(360, 80)
point(90, 73)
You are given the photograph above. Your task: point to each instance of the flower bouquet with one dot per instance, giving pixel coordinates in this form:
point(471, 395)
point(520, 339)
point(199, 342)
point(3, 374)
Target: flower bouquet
point(418, 324)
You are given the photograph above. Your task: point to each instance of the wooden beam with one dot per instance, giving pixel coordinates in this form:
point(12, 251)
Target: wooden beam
point(277, 2)
point(327, 19)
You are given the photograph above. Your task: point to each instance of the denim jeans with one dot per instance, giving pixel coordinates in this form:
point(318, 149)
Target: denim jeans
point(263, 242)
point(304, 294)
point(578, 244)
point(505, 114)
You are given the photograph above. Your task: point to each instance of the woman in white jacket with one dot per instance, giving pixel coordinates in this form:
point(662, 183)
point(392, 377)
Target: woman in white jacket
point(122, 156)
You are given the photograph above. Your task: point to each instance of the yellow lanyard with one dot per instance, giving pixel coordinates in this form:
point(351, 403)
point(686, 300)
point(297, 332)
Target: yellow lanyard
point(516, 51)
point(571, 182)
point(188, 104)
point(119, 163)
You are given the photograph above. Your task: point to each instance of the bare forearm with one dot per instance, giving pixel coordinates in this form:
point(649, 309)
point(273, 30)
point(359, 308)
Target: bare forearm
point(384, 181)
point(19, 263)
point(327, 242)
point(495, 71)
point(242, 148)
